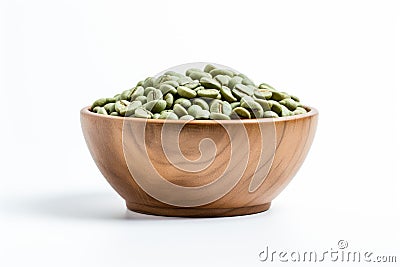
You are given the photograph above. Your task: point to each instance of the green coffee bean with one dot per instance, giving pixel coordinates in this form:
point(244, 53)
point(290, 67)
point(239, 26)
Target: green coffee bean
point(121, 106)
point(219, 106)
point(168, 116)
point(142, 113)
point(285, 111)
point(235, 80)
point(193, 84)
point(154, 95)
point(155, 105)
point(187, 117)
point(183, 102)
point(299, 110)
point(219, 116)
point(186, 92)
point(262, 94)
point(149, 81)
point(202, 115)
point(138, 91)
point(295, 98)
point(197, 75)
point(117, 97)
point(241, 90)
point(141, 98)
point(275, 106)
point(100, 102)
point(216, 72)
point(256, 109)
point(125, 95)
point(289, 103)
point(173, 73)
point(278, 96)
point(130, 109)
point(201, 102)
point(110, 107)
point(270, 114)
point(241, 112)
point(184, 80)
point(235, 105)
point(169, 99)
point(210, 93)
point(209, 68)
point(173, 83)
point(210, 83)
point(179, 110)
point(194, 109)
point(227, 94)
point(266, 86)
point(148, 90)
point(199, 88)
point(247, 81)
point(189, 71)
point(102, 110)
point(222, 79)
point(167, 88)
point(264, 104)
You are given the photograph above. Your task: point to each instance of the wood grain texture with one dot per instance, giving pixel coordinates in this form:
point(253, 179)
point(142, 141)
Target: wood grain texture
point(291, 138)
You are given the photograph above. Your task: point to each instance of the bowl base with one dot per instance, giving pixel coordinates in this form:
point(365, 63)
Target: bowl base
point(196, 211)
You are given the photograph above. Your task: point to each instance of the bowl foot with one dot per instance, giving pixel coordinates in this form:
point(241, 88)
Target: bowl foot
point(196, 211)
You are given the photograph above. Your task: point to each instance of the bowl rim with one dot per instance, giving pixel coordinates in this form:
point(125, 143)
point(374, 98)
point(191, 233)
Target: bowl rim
point(311, 112)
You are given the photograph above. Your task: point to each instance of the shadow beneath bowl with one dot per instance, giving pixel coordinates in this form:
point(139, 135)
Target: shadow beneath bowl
point(87, 206)
point(82, 206)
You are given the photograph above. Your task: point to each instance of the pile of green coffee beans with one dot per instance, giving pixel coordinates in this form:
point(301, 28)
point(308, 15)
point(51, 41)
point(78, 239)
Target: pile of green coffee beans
point(211, 93)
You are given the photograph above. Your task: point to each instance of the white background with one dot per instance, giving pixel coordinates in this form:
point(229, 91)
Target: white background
point(58, 56)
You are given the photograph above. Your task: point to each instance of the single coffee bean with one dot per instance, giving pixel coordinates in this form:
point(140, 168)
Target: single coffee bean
point(130, 110)
point(241, 112)
point(169, 99)
point(216, 72)
point(209, 68)
point(102, 111)
point(210, 83)
point(270, 114)
point(155, 105)
point(222, 79)
point(219, 116)
point(201, 102)
point(186, 92)
point(194, 109)
point(141, 98)
point(187, 117)
point(210, 93)
point(241, 90)
point(183, 102)
point(138, 91)
point(179, 110)
point(197, 75)
point(219, 106)
point(167, 88)
point(110, 107)
point(235, 80)
point(262, 94)
point(227, 94)
point(202, 115)
point(289, 103)
point(154, 95)
point(142, 113)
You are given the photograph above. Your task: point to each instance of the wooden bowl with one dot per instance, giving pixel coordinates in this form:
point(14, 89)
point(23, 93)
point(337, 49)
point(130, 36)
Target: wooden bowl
point(245, 166)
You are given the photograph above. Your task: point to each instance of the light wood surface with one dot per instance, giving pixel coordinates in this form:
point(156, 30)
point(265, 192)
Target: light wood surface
point(277, 154)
